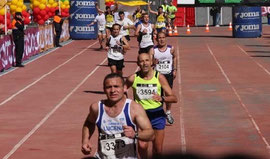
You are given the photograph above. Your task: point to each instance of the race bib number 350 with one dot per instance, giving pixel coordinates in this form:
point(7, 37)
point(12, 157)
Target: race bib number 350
point(146, 91)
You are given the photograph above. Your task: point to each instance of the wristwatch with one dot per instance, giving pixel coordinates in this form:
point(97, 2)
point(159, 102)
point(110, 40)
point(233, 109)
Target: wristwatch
point(136, 136)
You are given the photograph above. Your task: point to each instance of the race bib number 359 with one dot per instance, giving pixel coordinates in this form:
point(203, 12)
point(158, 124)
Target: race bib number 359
point(146, 91)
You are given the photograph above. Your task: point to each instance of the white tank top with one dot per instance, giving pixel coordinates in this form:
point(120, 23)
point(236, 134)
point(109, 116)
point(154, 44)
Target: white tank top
point(165, 60)
point(146, 40)
point(118, 146)
point(116, 51)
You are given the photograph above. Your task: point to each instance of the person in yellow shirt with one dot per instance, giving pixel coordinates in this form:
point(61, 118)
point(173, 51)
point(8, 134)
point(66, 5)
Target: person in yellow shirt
point(109, 16)
point(160, 19)
point(147, 84)
point(171, 10)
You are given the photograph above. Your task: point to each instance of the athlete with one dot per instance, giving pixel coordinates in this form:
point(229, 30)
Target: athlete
point(126, 24)
point(109, 16)
point(145, 32)
point(147, 84)
point(116, 46)
point(171, 10)
point(120, 122)
point(166, 64)
point(101, 21)
point(137, 15)
point(160, 20)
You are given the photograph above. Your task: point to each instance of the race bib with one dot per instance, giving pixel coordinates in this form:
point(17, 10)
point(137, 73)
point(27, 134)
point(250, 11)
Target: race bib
point(101, 27)
point(146, 38)
point(160, 24)
point(114, 146)
point(146, 91)
point(164, 67)
point(116, 49)
point(109, 24)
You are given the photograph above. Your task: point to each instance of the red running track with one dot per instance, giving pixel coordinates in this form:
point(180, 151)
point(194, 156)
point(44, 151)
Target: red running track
point(223, 87)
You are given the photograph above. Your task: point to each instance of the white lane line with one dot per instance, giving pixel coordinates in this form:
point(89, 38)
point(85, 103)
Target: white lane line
point(241, 102)
point(43, 76)
point(182, 124)
point(39, 56)
point(19, 144)
point(261, 66)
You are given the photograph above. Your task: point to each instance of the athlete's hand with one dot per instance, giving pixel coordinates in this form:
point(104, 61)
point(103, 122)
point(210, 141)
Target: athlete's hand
point(174, 74)
point(129, 132)
point(145, 31)
point(107, 48)
point(157, 98)
point(86, 148)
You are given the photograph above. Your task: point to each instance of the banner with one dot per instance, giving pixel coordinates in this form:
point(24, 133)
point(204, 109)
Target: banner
point(65, 32)
point(82, 13)
point(7, 48)
point(6, 52)
point(31, 46)
point(45, 37)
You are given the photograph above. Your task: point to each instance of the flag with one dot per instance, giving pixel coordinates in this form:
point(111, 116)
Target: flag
point(132, 2)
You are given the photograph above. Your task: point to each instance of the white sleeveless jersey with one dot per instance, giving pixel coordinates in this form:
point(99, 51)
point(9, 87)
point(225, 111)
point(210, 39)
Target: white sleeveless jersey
point(116, 51)
point(146, 40)
point(118, 146)
point(165, 60)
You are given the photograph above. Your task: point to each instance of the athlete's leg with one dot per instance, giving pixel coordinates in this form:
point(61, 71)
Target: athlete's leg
point(158, 142)
point(113, 69)
point(108, 32)
point(100, 38)
point(143, 149)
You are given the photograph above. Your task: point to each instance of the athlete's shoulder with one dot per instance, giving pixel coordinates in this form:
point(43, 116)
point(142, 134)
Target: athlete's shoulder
point(169, 46)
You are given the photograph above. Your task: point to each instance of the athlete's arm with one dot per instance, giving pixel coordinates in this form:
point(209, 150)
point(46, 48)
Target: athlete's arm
point(89, 128)
point(174, 62)
point(115, 6)
point(145, 133)
point(137, 33)
point(125, 44)
point(151, 11)
point(98, 9)
point(130, 80)
point(169, 96)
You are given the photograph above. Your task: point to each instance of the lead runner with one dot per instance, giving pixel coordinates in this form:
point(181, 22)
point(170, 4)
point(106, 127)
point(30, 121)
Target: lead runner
point(118, 120)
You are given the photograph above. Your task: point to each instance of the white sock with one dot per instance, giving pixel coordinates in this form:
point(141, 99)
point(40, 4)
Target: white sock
point(168, 112)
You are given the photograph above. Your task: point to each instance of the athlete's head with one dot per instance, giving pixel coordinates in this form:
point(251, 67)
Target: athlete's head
point(161, 39)
point(145, 18)
point(144, 62)
point(121, 15)
point(160, 9)
point(116, 29)
point(113, 85)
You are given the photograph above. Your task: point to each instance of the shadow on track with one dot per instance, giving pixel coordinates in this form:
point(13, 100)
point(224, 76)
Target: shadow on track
point(94, 92)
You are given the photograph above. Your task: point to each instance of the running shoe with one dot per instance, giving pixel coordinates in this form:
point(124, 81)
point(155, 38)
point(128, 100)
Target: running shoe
point(170, 119)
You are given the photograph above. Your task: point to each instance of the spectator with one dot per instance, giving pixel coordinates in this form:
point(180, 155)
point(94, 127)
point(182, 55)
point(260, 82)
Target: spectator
point(58, 22)
point(18, 37)
point(215, 13)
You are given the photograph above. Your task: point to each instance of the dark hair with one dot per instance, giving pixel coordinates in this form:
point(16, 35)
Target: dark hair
point(113, 75)
point(18, 13)
point(161, 32)
point(107, 7)
point(143, 14)
point(121, 12)
point(56, 12)
point(160, 7)
point(117, 25)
